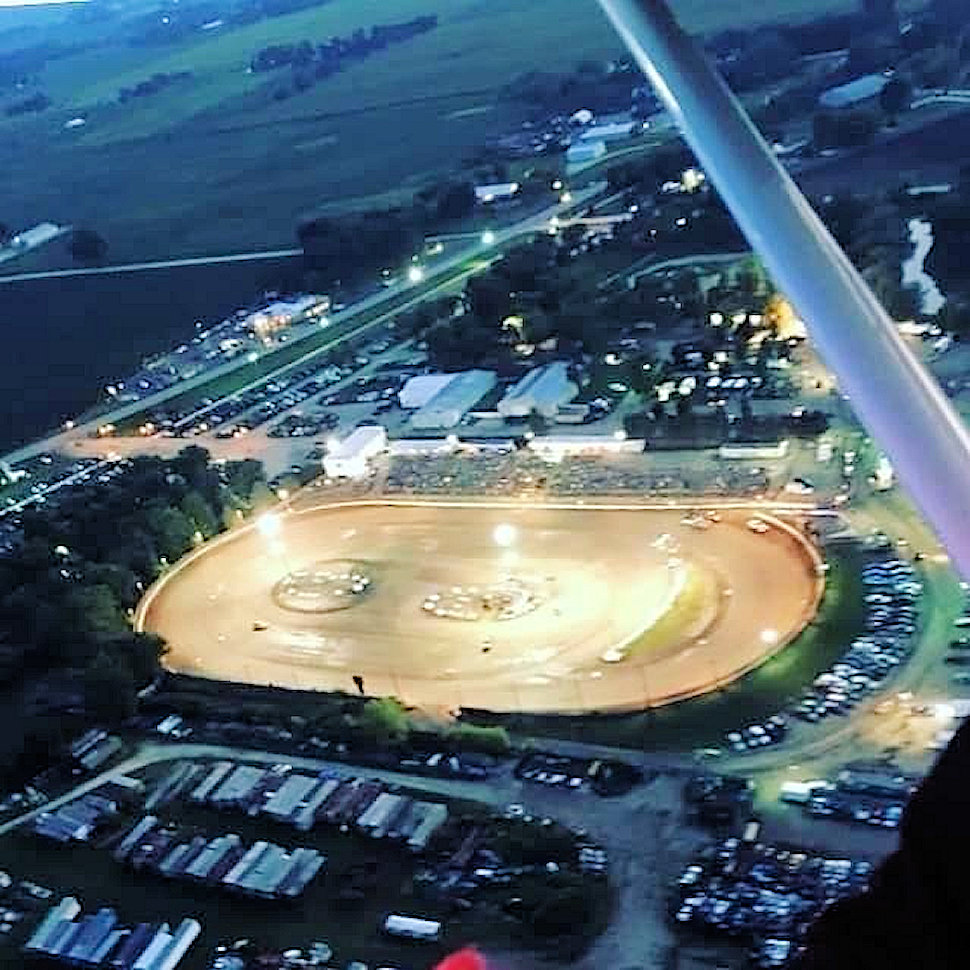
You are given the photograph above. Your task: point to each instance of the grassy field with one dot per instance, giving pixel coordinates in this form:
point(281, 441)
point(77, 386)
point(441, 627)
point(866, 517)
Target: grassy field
point(214, 164)
point(763, 692)
point(689, 608)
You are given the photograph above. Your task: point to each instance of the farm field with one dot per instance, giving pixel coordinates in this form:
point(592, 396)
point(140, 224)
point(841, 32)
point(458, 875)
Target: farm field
point(213, 163)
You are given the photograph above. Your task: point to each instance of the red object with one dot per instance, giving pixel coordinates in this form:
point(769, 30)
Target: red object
point(467, 959)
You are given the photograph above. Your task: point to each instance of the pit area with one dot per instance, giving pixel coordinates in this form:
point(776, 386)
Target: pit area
point(553, 608)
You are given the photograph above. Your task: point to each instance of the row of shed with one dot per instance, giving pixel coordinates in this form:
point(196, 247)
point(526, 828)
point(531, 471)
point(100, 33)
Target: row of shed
point(75, 821)
point(264, 870)
point(96, 940)
point(303, 800)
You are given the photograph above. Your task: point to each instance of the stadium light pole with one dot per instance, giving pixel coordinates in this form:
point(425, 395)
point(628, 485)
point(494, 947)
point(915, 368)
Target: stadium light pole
point(895, 396)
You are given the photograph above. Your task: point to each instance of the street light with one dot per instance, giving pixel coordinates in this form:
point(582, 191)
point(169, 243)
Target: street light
point(488, 238)
point(415, 274)
point(504, 535)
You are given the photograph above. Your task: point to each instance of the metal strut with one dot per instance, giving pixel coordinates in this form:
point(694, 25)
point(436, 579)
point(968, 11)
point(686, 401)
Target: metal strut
point(893, 394)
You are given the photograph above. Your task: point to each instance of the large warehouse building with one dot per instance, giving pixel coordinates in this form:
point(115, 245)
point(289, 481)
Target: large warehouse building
point(585, 152)
point(453, 401)
point(419, 390)
point(543, 390)
point(350, 457)
point(855, 93)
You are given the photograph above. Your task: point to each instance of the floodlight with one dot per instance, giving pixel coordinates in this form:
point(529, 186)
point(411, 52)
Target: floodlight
point(504, 535)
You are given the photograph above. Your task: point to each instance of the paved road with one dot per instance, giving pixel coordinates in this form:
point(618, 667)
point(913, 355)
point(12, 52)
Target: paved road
point(60, 274)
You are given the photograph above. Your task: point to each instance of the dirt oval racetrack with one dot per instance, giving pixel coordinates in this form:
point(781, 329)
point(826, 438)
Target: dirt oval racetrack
point(538, 608)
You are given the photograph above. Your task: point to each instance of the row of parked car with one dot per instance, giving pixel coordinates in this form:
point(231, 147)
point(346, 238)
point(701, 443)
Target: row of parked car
point(891, 594)
point(271, 399)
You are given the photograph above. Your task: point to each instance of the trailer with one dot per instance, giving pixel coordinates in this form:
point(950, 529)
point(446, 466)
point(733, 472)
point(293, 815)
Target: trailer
point(207, 786)
point(134, 836)
point(238, 786)
point(303, 870)
point(284, 801)
point(434, 817)
point(378, 812)
point(249, 858)
point(412, 928)
point(306, 815)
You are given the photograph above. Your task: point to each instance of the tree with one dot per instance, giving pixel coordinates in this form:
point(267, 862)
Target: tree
point(109, 688)
point(142, 653)
point(5, 233)
point(563, 913)
point(954, 317)
point(172, 531)
point(768, 58)
point(384, 720)
point(474, 737)
point(894, 97)
point(200, 514)
point(456, 201)
point(87, 246)
point(92, 609)
point(242, 478)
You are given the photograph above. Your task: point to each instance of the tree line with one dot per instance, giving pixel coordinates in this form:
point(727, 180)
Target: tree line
point(67, 594)
point(315, 62)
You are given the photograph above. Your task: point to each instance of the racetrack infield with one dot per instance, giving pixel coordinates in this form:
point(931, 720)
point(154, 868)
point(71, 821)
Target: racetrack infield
point(611, 608)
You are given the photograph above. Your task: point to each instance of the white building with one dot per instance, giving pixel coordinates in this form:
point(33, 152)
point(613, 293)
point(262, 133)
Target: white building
point(350, 457)
point(36, 236)
point(610, 131)
point(554, 448)
point(419, 390)
point(585, 152)
point(412, 927)
point(544, 389)
point(454, 400)
point(423, 447)
point(856, 92)
point(499, 192)
point(755, 450)
point(280, 314)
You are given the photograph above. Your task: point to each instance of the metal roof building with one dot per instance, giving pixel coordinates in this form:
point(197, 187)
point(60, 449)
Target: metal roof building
point(454, 400)
point(854, 92)
point(284, 801)
point(350, 457)
point(421, 389)
point(582, 152)
point(609, 131)
point(307, 813)
point(499, 192)
point(543, 389)
point(238, 785)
